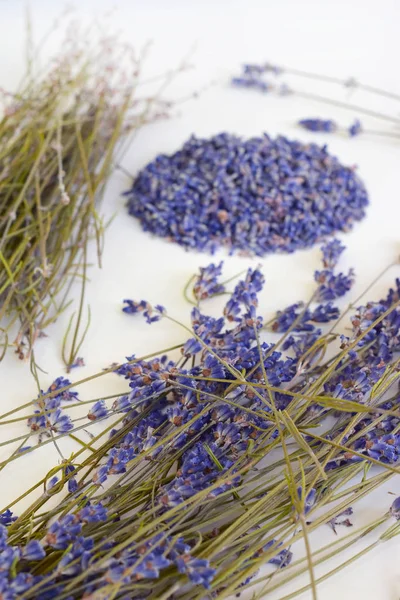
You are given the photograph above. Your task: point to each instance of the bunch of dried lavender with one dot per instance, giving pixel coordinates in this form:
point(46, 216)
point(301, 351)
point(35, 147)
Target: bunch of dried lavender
point(59, 136)
point(213, 467)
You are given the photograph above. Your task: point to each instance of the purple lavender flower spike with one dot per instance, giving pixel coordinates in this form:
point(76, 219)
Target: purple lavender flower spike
point(395, 509)
point(322, 125)
point(355, 128)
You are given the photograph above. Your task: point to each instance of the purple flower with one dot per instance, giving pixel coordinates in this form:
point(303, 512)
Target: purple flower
point(59, 422)
point(72, 482)
point(325, 313)
point(76, 560)
point(212, 368)
point(133, 307)
point(324, 125)
point(281, 559)
point(254, 69)
point(206, 284)
point(151, 566)
point(78, 362)
point(191, 347)
point(65, 395)
point(309, 500)
point(346, 522)
point(251, 81)
point(331, 252)
point(198, 569)
point(7, 517)
point(355, 128)
point(98, 411)
point(285, 319)
point(62, 532)
point(300, 344)
point(100, 475)
point(333, 286)
point(33, 551)
point(395, 509)
point(92, 513)
point(52, 483)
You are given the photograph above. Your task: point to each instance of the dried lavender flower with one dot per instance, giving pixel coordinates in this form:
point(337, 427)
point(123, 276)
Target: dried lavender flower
point(324, 125)
point(395, 509)
point(355, 128)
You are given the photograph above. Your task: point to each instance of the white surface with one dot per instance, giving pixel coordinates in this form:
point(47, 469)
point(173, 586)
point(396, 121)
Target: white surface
point(341, 38)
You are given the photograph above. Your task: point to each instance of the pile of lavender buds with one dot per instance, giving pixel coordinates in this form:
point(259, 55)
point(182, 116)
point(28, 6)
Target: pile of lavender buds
point(251, 196)
point(211, 466)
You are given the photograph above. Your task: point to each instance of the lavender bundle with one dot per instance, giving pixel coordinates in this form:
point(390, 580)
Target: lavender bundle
point(212, 466)
point(59, 137)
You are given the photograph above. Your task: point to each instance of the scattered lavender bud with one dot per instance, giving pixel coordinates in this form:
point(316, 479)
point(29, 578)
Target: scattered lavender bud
point(251, 82)
point(144, 307)
point(355, 128)
point(98, 411)
point(331, 251)
point(206, 284)
point(395, 509)
point(78, 362)
point(345, 522)
point(323, 125)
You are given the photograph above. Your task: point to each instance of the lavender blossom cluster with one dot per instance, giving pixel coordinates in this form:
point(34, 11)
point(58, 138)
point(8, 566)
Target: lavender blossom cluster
point(252, 196)
point(188, 411)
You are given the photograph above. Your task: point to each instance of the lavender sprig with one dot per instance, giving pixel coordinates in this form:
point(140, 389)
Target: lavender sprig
point(253, 76)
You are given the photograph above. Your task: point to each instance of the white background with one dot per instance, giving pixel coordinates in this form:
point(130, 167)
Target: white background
point(339, 38)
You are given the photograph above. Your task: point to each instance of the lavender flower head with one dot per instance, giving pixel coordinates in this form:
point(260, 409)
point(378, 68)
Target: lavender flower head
point(323, 125)
point(395, 509)
point(355, 128)
point(150, 313)
point(206, 284)
point(331, 252)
